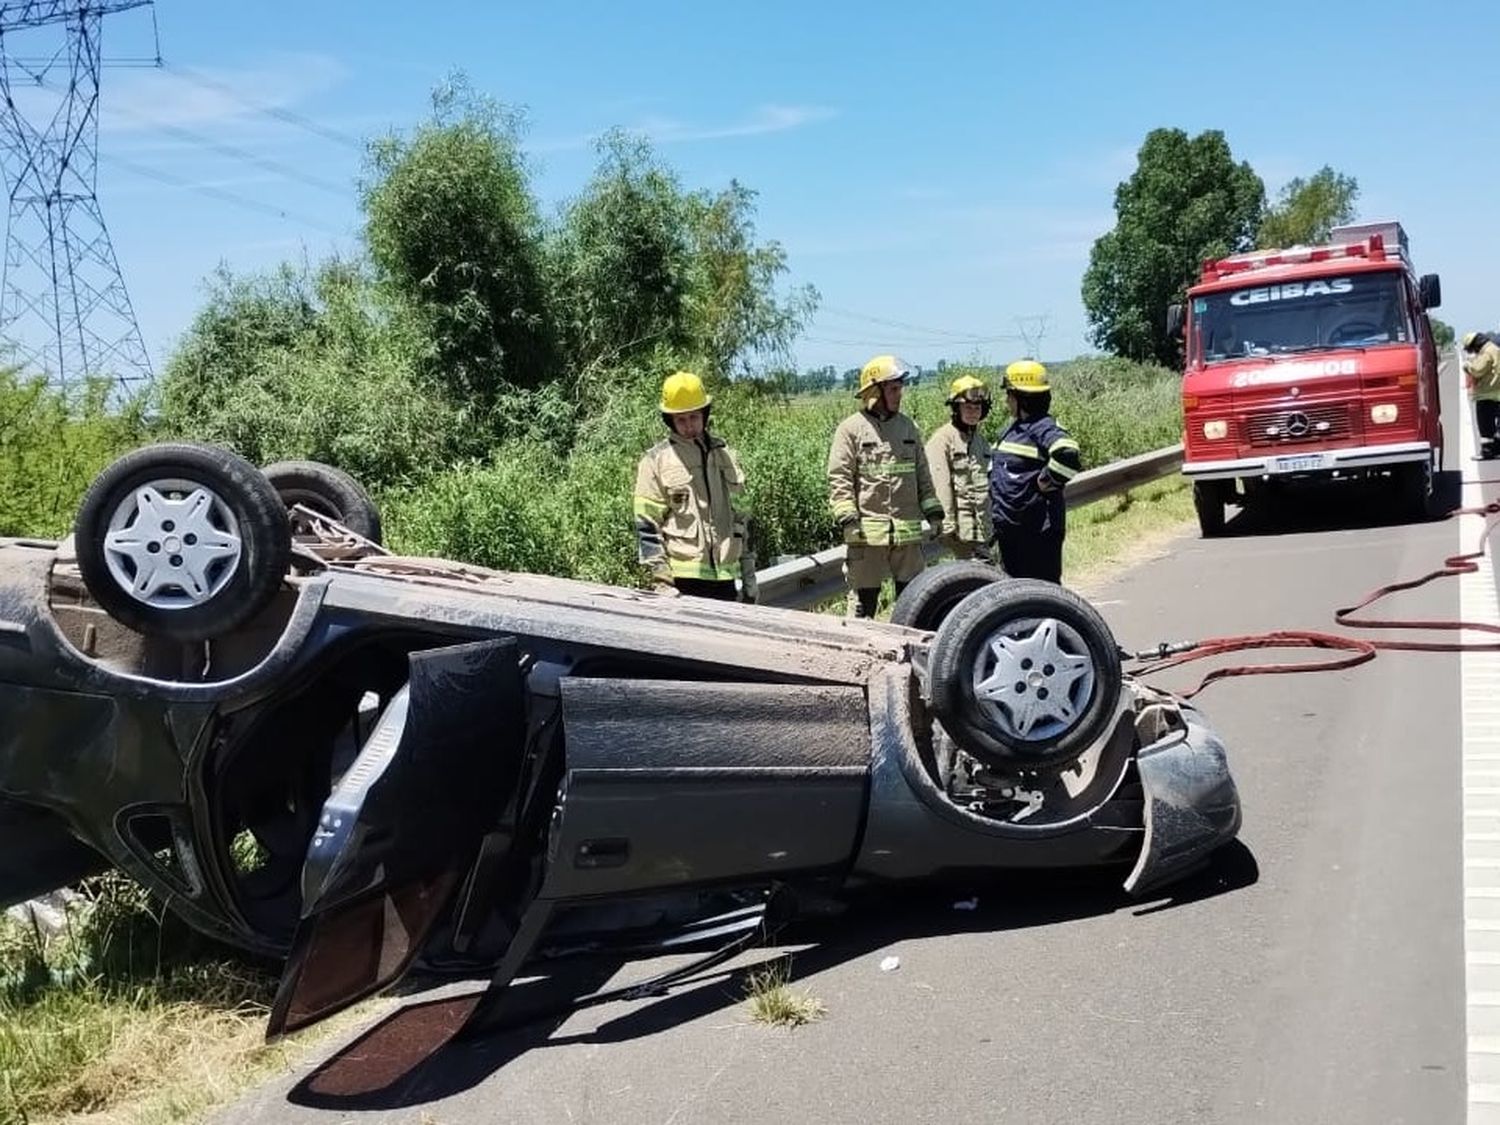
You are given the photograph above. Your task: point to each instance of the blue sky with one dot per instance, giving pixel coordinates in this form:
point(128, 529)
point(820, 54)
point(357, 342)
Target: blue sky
point(938, 171)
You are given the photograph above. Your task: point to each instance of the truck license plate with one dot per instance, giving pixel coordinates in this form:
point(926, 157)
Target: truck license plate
point(1304, 463)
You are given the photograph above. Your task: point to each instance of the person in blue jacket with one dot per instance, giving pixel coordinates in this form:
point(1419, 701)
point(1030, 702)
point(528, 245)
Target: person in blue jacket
point(1029, 468)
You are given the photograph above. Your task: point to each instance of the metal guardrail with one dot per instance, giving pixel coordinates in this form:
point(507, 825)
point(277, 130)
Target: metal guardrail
point(810, 579)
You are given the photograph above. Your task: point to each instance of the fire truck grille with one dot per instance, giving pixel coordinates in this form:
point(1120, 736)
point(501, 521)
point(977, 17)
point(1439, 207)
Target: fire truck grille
point(1290, 427)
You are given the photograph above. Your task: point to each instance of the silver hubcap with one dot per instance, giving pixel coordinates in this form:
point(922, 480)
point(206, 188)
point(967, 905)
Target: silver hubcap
point(1034, 678)
point(172, 544)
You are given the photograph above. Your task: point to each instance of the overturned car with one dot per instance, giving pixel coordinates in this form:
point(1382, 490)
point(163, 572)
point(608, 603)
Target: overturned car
point(316, 750)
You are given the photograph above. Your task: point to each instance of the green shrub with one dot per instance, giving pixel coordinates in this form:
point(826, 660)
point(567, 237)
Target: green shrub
point(534, 506)
point(52, 445)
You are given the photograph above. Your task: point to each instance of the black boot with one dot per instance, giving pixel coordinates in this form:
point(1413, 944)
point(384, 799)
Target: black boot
point(869, 600)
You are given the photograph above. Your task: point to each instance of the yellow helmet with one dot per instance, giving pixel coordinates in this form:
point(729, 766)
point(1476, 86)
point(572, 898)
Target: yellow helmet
point(882, 369)
point(1469, 339)
point(682, 393)
point(1026, 376)
point(968, 388)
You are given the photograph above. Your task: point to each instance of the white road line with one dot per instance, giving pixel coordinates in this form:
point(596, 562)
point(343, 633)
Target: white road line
point(1479, 674)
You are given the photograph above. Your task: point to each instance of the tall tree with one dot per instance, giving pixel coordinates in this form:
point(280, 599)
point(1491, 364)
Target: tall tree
point(1186, 201)
point(736, 314)
point(454, 230)
point(1442, 333)
point(621, 258)
point(1307, 209)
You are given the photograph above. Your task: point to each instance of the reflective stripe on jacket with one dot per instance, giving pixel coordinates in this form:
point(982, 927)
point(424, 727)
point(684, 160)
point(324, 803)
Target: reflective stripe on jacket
point(877, 472)
point(685, 523)
point(1484, 369)
point(1031, 464)
point(960, 465)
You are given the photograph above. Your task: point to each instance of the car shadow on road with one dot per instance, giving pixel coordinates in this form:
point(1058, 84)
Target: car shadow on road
point(412, 1057)
point(1337, 506)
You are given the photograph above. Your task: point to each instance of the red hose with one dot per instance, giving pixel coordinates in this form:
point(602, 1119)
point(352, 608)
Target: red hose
point(1361, 650)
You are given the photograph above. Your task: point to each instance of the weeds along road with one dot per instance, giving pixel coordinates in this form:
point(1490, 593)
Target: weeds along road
point(1316, 974)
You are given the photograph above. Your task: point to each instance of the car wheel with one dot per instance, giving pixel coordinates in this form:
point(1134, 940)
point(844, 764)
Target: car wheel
point(182, 540)
point(328, 491)
point(1024, 675)
point(931, 595)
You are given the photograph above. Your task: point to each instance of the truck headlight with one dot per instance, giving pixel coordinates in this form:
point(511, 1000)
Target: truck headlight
point(1384, 414)
point(1216, 430)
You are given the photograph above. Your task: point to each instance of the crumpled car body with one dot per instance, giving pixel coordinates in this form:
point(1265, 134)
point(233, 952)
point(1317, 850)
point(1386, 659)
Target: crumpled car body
point(406, 757)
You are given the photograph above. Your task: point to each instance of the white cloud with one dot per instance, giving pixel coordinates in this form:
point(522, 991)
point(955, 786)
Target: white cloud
point(138, 101)
point(668, 130)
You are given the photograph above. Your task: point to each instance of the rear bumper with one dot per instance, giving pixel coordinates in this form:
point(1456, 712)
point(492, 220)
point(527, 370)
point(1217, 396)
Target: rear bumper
point(1330, 460)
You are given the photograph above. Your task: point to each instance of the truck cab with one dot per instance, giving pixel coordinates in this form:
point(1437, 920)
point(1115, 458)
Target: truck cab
point(1310, 364)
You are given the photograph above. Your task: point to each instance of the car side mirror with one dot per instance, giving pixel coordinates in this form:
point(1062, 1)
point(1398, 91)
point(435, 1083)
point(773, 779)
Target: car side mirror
point(1174, 322)
point(1430, 290)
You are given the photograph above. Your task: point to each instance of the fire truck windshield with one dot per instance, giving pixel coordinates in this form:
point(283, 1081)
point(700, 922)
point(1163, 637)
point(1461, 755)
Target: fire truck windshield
point(1351, 311)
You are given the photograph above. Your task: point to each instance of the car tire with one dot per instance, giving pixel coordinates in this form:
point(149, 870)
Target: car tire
point(166, 564)
point(931, 595)
point(328, 491)
point(1061, 655)
point(1208, 501)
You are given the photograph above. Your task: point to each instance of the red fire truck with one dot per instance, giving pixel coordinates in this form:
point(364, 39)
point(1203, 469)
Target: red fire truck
point(1313, 363)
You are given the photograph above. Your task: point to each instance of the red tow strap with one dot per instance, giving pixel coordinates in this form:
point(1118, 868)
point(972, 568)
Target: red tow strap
point(1360, 650)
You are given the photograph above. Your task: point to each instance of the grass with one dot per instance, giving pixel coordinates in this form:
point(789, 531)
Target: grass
point(1112, 534)
point(127, 1018)
point(772, 1001)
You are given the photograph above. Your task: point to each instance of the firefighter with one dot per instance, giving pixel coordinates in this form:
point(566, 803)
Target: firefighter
point(959, 459)
point(880, 487)
point(1482, 378)
point(690, 536)
point(1032, 464)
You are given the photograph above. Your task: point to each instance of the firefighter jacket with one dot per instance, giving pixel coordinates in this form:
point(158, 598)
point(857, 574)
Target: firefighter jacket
point(1032, 462)
point(1484, 370)
point(960, 466)
point(878, 481)
point(685, 521)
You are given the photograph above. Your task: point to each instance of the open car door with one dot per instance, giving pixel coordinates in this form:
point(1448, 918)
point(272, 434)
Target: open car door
point(402, 827)
point(654, 787)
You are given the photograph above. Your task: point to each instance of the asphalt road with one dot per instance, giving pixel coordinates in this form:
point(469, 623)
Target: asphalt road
point(1316, 974)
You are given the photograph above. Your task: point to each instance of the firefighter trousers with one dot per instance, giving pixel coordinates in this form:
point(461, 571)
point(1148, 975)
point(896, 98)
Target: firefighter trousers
point(720, 589)
point(1032, 556)
point(865, 568)
point(1487, 420)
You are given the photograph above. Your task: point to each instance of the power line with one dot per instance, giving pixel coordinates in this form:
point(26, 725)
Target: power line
point(217, 193)
point(886, 322)
point(955, 344)
point(284, 115)
point(264, 163)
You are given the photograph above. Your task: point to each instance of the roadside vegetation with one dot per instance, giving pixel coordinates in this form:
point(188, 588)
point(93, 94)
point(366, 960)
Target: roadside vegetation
point(112, 1002)
point(772, 1000)
point(114, 1011)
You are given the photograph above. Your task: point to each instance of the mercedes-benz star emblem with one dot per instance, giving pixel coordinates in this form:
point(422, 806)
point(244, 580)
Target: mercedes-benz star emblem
point(1297, 425)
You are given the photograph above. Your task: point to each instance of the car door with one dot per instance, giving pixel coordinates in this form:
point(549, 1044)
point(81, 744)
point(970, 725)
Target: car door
point(664, 786)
